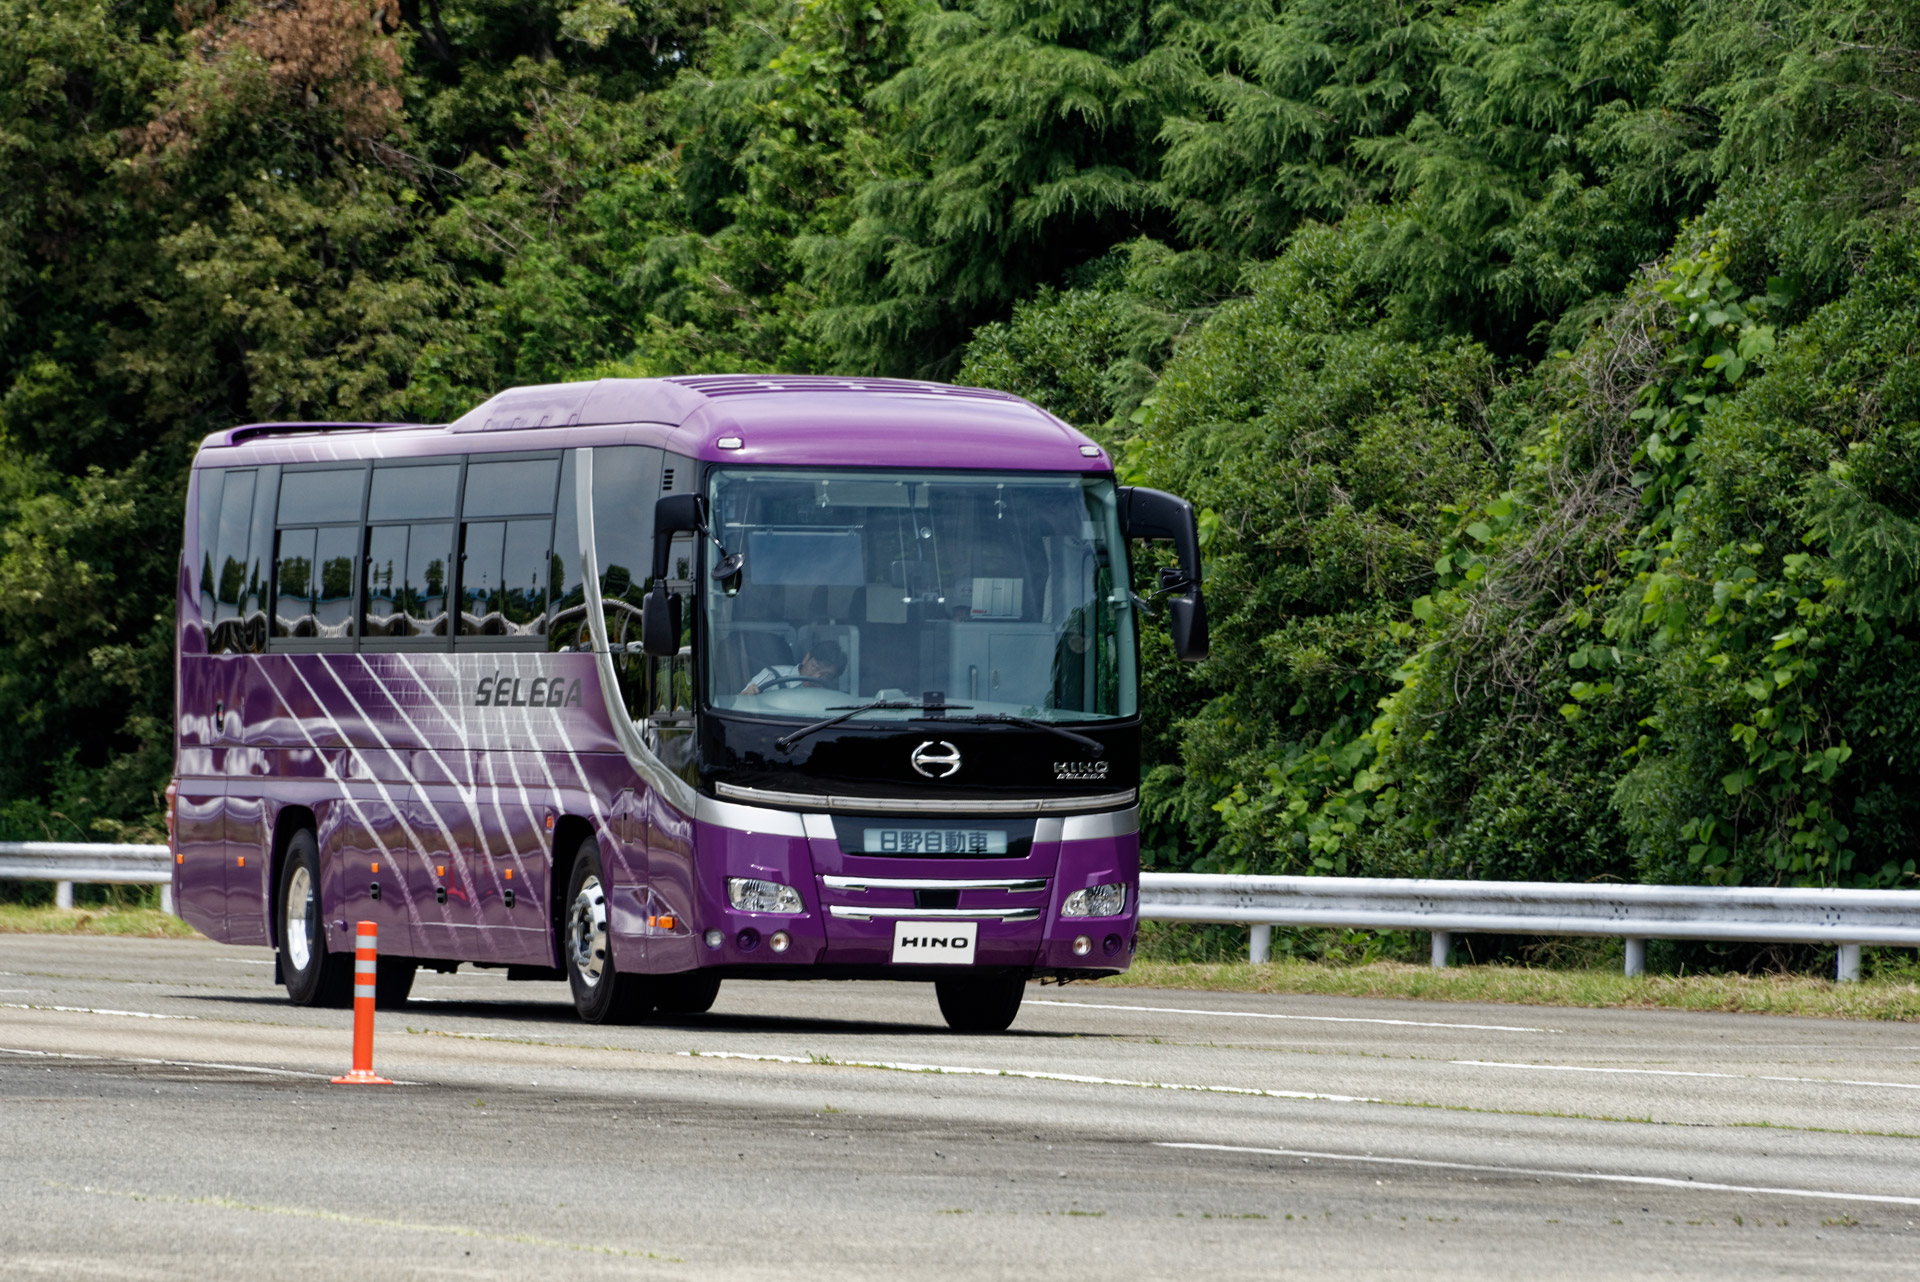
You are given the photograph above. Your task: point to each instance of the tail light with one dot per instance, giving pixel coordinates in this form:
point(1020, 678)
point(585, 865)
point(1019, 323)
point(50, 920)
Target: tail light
point(173, 805)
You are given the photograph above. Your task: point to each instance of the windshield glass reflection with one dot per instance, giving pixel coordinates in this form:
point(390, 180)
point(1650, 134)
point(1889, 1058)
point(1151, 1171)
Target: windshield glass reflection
point(1005, 593)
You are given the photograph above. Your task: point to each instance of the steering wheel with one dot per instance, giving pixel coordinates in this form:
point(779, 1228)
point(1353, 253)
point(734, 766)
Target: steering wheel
point(795, 679)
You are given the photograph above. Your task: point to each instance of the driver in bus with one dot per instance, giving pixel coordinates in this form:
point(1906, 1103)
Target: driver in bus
point(822, 666)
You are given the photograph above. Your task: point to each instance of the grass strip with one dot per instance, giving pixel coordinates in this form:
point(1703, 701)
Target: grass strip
point(1889, 999)
point(135, 923)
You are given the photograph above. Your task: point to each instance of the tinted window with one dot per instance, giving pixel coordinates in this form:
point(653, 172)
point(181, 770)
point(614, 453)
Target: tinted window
point(336, 550)
point(230, 561)
point(316, 498)
point(295, 582)
point(413, 493)
point(504, 569)
point(567, 620)
point(511, 488)
point(407, 579)
point(626, 483)
point(208, 578)
point(255, 609)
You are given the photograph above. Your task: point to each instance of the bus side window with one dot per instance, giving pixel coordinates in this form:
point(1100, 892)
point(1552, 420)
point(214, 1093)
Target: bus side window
point(316, 560)
point(567, 626)
point(206, 577)
point(230, 561)
point(506, 545)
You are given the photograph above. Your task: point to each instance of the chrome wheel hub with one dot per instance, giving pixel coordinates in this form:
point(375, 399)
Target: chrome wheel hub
point(299, 919)
point(587, 932)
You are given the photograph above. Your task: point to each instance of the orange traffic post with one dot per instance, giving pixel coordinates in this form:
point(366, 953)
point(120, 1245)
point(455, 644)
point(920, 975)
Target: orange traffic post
point(366, 964)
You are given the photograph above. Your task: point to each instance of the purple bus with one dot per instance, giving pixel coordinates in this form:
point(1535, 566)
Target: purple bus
point(642, 684)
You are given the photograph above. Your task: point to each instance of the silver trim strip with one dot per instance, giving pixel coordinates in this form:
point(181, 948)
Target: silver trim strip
point(1012, 885)
point(931, 914)
point(928, 805)
point(1115, 823)
point(677, 791)
point(731, 814)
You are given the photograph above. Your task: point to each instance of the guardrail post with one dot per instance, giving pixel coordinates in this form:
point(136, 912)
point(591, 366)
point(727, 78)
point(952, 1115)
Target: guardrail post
point(1636, 956)
point(166, 901)
point(1847, 970)
point(1442, 944)
point(1259, 944)
point(63, 894)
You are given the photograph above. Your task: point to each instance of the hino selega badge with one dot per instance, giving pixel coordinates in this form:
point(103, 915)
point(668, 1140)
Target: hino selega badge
point(936, 759)
point(942, 943)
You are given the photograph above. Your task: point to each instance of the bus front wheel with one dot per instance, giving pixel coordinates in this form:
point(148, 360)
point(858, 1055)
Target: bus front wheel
point(601, 993)
point(313, 976)
point(980, 1004)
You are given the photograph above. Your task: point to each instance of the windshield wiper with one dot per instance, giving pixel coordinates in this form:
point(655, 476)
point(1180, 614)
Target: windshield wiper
point(1090, 744)
point(849, 711)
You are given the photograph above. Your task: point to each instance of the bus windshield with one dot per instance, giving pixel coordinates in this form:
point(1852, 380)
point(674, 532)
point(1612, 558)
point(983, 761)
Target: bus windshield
point(1005, 593)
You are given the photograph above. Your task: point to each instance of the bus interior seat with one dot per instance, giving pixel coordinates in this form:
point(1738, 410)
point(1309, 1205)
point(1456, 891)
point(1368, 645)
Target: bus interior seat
point(749, 646)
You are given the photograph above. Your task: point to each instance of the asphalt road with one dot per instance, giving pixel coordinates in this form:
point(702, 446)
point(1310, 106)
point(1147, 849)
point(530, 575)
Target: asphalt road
point(164, 1113)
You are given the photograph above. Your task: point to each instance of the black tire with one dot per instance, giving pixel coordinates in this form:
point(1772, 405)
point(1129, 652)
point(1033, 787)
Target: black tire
point(980, 1004)
point(393, 981)
point(313, 976)
point(601, 993)
point(690, 993)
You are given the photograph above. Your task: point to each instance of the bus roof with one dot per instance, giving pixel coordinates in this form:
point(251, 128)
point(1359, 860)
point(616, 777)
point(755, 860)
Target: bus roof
point(735, 418)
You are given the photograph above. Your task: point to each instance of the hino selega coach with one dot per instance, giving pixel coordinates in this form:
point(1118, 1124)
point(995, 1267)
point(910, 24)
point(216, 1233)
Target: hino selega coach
point(643, 684)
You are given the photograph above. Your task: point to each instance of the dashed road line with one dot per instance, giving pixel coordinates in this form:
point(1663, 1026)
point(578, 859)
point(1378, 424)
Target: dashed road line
point(1030, 1074)
point(1656, 1181)
point(92, 1010)
point(1683, 1072)
point(1311, 1019)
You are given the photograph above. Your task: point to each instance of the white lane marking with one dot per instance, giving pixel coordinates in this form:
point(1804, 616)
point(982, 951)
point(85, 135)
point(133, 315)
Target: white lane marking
point(963, 1071)
point(245, 961)
point(1659, 1181)
point(90, 1010)
point(1311, 1019)
point(168, 1063)
point(1682, 1072)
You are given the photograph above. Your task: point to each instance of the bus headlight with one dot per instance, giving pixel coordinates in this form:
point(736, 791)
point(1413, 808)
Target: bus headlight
point(1109, 900)
point(751, 895)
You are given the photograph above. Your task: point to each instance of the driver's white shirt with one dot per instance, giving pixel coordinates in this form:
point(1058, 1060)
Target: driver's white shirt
point(773, 672)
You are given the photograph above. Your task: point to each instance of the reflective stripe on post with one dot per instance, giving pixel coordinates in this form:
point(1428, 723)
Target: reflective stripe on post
point(366, 969)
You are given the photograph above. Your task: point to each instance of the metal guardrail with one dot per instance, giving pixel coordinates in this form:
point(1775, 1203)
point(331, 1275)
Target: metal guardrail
point(91, 862)
point(1847, 918)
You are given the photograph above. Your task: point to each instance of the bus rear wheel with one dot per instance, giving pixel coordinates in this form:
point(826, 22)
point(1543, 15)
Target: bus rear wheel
point(601, 993)
point(313, 976)
point(980, 1004)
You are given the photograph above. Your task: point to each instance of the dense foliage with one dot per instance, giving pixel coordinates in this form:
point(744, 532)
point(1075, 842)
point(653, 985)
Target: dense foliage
point(1544, 368)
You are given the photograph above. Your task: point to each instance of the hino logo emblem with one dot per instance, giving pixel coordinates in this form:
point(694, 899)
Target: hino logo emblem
point(936, 759)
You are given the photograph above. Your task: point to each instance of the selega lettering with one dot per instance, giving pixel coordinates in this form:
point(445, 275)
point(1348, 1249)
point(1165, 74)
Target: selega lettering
point(502, 691)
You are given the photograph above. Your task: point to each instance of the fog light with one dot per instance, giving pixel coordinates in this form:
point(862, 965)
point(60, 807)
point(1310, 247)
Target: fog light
point(1082, 945)
point(1109, 900)
point(751, 895)
point(778, 941)
point(747, 940)
point(1110, 945)
point(715, 939)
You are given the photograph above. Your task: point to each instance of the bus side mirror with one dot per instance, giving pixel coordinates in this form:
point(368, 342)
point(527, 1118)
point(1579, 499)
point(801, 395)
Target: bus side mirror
point(674, 514)
point(1157, 515)
point(660, 622)
point(660, 611)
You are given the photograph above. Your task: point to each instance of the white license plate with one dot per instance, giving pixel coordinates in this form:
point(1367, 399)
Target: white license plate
point(940, 943)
